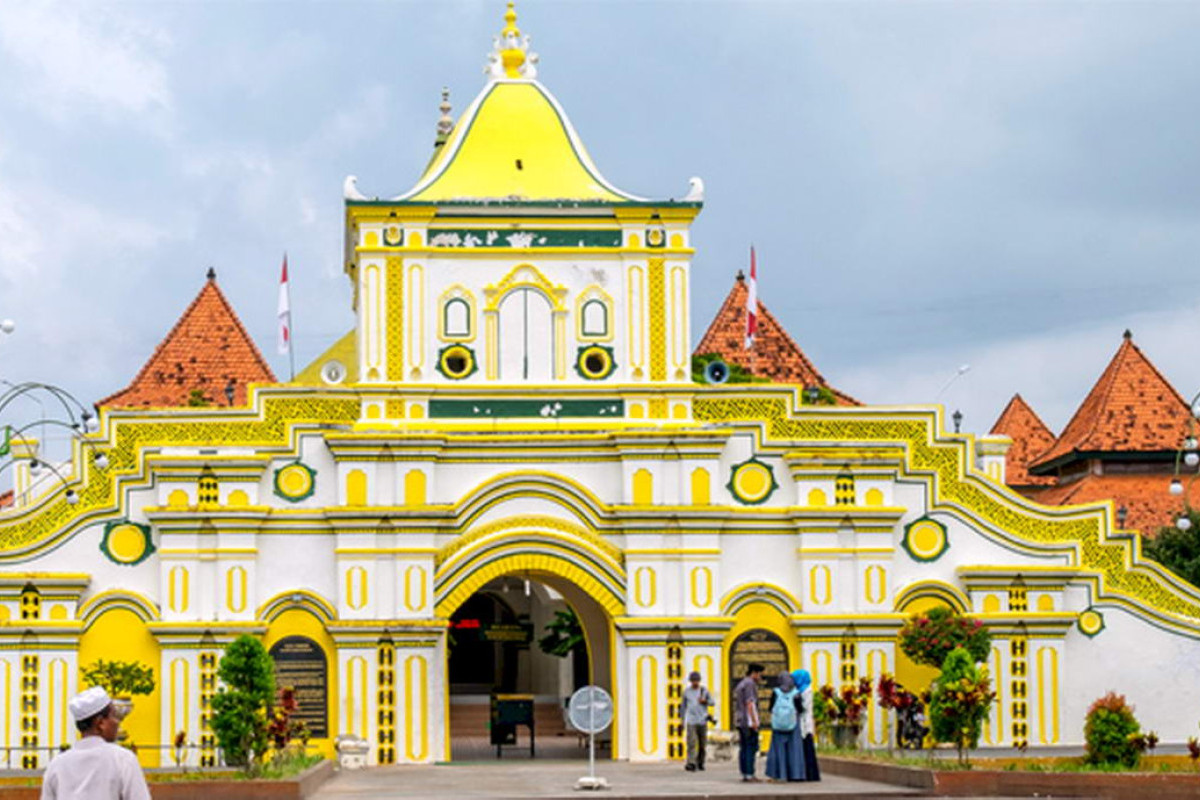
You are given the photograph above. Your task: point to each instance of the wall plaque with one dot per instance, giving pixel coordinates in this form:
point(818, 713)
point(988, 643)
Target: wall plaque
point(300, 664)
point(758, 646)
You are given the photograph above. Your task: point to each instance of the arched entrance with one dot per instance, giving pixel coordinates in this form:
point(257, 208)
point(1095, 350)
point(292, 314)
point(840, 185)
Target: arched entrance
point(501, 597)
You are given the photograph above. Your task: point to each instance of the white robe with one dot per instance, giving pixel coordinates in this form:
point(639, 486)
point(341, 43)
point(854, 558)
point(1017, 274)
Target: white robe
point(94, 769)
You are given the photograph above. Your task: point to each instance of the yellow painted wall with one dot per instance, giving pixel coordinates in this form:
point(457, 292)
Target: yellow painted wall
point(750, 617)
point(118, 634)
point(298, 622)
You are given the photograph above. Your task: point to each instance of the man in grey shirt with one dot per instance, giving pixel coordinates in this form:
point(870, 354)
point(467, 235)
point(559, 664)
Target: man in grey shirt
point(694, 710)
point(745, 717)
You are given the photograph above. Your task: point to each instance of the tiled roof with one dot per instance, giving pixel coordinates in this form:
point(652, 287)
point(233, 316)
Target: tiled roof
point(775, 354)
point(1030, 437)
point(206, 350)
point(1148, 502)
point(1132, 408)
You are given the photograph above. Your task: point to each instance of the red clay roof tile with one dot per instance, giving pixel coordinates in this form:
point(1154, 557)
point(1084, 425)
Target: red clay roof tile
point(1132, 408)
point(1030, 437)
point(775, 354)
point(206, 350)
point(1148, 502)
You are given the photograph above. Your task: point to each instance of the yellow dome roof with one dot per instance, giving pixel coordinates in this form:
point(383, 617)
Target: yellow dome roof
point(514, 143)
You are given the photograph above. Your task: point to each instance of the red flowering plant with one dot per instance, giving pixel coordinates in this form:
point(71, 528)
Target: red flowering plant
point(282, 728)
point(909, 708)
point(1193, 747)
point(928, 638)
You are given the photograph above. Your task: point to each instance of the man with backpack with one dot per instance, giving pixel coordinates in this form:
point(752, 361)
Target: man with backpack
point(694, 710)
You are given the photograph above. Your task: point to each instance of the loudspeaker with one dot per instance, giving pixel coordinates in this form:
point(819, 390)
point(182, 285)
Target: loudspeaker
point(716, 371)
point(333, 372)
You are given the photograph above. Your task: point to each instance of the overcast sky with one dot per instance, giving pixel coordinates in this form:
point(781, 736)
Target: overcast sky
point(1005, 185)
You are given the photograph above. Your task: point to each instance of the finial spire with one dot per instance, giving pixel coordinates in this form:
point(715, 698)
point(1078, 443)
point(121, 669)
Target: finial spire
point(445, 122)
point(510, 57)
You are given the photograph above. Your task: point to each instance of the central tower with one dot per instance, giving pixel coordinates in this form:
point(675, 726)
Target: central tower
point(514, 263)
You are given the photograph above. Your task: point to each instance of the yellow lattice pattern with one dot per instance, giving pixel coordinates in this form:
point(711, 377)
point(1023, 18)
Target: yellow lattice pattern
point(676, 742)
point(43, 523)
point(946, 463)
point(657, 292)
point(395, 318)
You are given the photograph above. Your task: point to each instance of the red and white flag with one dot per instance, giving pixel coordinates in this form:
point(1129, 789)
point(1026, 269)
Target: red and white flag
point(284, 312)
point(752, 303)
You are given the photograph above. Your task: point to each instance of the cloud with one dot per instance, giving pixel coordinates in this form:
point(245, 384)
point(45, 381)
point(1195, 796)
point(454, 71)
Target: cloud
point(1053, 371)
point(72, 55)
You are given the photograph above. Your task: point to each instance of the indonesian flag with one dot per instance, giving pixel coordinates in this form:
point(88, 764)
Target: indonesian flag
point(752, 303)
point(284, 312)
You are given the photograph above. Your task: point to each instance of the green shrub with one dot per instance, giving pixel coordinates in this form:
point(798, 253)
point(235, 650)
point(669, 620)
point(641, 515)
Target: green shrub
point(959, 703)
point(1111, 732)
point(928, 638)
point(120, 678)
point(242, 706)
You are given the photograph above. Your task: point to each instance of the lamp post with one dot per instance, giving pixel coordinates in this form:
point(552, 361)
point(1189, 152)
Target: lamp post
point(957, 416)
point(1188, 455)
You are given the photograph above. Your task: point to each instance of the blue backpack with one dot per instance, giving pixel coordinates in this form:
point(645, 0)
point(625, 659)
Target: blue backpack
point(783, 711)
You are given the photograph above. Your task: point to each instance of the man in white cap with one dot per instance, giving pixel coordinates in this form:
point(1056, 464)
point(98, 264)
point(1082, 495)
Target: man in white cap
point(95, 768)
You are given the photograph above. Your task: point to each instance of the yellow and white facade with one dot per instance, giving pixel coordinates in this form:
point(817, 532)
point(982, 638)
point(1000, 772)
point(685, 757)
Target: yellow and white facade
point(516, 399)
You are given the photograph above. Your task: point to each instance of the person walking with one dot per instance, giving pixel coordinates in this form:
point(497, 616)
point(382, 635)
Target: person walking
point(803, 679)
point(785, 760)
point(745, 717)
point(694, 710)
point(95, 768)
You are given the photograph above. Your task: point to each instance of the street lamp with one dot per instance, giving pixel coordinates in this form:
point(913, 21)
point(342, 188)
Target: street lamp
point(1188, 455)
point(957, 417)
point(7, 326)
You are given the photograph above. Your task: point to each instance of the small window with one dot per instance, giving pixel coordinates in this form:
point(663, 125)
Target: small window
point(595, 318)
point(457, 318)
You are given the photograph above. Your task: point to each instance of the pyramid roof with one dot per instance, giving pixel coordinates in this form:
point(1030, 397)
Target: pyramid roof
point(1131, 409)
point(775, 354)
point(206, 350)
point(1030, 438)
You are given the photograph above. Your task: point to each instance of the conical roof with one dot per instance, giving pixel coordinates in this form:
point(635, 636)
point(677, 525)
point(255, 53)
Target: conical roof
point(514, 142)
point(1132, 408)
point(207, 350)
point(1030, 438)
point(775, 354)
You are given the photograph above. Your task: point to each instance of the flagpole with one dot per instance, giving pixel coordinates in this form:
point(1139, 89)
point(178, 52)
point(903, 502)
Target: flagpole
point(291, 329)
point(752, 309)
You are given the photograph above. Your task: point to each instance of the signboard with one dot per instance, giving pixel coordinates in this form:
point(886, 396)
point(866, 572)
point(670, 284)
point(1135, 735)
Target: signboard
point(300, 664)
point(469, 628)
point(758, 646)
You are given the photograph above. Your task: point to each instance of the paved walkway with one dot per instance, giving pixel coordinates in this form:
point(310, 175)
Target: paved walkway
point(556, 779)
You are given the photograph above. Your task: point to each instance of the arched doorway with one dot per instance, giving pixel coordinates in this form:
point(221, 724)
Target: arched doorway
point(526, 634)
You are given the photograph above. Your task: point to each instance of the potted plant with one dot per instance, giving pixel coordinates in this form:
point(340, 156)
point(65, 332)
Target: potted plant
point(839, 714)
point(123, 680)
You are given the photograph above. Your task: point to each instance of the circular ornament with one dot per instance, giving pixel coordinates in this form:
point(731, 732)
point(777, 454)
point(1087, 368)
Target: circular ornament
point(457, 362)
point(393, 236)
point(126, 543)
point(595, 363)
point(295, 482)
point(656, 237)
point(1090, 622)
point(925, 539)
point(751, 482)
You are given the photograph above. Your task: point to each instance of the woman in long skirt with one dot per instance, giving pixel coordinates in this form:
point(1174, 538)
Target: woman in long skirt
point(805, 729)
point(785, 761)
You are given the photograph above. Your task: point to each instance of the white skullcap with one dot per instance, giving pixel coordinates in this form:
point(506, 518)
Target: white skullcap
point(89, 703)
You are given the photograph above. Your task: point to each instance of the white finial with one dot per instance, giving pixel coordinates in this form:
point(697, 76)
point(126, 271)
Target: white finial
point(350, 189)
point(695, 192)
point(446, 122)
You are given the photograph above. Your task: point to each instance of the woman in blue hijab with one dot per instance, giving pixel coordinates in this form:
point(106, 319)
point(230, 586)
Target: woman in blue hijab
point(784, 758)
point(805, 730)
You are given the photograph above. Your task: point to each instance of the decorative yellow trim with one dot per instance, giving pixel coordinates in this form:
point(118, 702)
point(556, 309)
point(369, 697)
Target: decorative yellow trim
point(950, 595)
point(647, 704)
point(658, 319)
point(524, 276)
point(414, 299)
point(635, 314)
point(357, 592)
point(416, 707)
point(775, 596)
point(395, 323)
point(415, 599)
point(645, 583)
point(820, 585)
point(875, 577)
point(595, 294)
point(308, 600)
point(461, 293)
point(702, 587)
point(1047, 665)
point(141, 605)
point(235, 589)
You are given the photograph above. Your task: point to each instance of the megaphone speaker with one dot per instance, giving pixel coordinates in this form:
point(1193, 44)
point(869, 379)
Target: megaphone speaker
point(716, 371)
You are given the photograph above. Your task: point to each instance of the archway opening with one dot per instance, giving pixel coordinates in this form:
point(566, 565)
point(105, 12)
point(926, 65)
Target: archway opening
point(527, 637)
